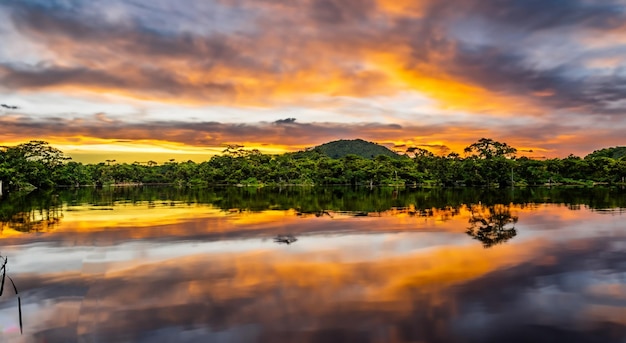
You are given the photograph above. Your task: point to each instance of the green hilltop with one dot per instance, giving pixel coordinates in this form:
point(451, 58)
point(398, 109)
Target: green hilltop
point(359, 147)
point(615, 153)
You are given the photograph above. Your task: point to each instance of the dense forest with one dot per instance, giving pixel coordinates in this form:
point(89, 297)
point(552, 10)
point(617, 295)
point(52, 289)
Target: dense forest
point(485, 163)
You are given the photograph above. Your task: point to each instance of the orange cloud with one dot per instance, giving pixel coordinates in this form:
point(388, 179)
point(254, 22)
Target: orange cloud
point(94, 140)
point(262, 70)
point(310, 54)
point(404, 7)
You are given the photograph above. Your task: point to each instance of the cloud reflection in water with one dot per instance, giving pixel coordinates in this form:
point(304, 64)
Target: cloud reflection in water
point(349, 279)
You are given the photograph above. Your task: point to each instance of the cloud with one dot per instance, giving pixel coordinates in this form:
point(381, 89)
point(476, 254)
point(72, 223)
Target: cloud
point(486, 60)
point(494, 46)
point(195, 133)
point(251, 67)
point(285, 121)
point(327, 47)
point(553, 140)
point(142, 81)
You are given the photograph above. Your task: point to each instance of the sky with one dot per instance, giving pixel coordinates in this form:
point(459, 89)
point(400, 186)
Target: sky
point(138, 80)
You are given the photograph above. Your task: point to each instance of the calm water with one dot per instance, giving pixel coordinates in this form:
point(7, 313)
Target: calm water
point(316, 265)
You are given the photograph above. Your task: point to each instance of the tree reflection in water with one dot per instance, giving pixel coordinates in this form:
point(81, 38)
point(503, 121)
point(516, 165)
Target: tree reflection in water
point(492, 224)
point(27, 213)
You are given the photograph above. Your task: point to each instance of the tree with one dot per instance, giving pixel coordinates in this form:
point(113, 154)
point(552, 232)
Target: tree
point(487, 148)
point(496, 160)
point(72, 174)
point(30, 164)
point(419, 152)
point(42, 152)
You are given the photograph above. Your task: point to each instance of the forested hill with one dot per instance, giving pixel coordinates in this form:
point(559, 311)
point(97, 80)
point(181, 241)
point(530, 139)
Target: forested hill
point(614, 153)
point(359, 147)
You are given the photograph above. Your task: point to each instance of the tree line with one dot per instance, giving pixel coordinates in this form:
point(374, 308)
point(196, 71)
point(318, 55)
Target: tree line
point(485, 163)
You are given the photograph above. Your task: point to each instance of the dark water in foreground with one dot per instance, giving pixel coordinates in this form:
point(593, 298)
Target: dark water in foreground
point(316, 265)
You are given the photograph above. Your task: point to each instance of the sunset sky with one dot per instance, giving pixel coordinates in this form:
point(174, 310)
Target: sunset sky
point(137, 80)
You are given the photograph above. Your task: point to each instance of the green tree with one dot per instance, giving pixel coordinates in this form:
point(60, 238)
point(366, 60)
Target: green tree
point(72, 174)
point(487, 148)
point(30, 164)
point(495, 160)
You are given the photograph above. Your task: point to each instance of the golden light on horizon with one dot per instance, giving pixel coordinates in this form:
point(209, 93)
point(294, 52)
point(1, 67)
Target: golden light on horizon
point(96, 150)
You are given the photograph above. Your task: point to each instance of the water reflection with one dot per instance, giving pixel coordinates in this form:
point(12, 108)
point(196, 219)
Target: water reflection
point(164, 266)
point(321, 202)
point(285, 239)
point(492, 224)
point(30, 213)
point(42, 212)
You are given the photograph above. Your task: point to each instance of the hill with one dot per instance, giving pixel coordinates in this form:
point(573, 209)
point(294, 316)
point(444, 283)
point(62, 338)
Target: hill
point(615, 152)
point(359, 147)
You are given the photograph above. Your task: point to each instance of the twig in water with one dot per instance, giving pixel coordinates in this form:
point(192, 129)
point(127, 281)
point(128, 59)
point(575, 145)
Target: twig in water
point(19, 300)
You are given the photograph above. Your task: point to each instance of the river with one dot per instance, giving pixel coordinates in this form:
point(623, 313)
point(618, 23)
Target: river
point(161, 264)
